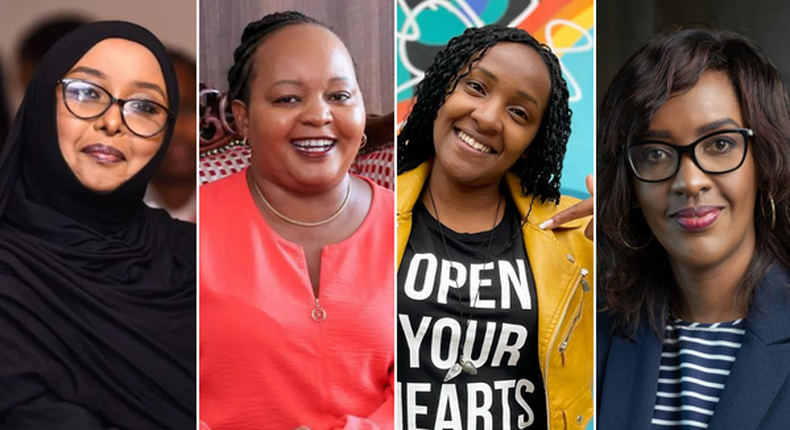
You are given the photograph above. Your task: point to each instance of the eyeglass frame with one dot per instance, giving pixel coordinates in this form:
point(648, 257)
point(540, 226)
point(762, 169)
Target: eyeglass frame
point(688, 149)
point(113, 101)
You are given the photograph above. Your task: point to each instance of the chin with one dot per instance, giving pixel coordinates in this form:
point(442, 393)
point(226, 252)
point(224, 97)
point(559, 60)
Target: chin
point(696, 253)
point(320, 180)
point(100, 185)
point(468, 174)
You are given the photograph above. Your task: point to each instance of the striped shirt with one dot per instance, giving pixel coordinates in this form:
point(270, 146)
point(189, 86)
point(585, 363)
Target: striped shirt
point(695, 363)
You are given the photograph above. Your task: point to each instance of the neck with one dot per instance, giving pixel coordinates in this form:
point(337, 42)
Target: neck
point(462, 208)
point(312, 206)
point(174, 194)
point(708, 293)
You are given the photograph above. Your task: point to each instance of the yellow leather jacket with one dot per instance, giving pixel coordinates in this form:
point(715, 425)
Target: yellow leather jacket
point(562, 265)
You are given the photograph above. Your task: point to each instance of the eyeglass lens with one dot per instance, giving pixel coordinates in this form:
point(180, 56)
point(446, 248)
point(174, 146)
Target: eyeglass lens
point(719, 153)
point(85, 100)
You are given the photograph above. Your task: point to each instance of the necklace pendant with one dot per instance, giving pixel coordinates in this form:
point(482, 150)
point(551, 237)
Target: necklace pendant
point(454, 371)
point(318, 313)
point(468, 367)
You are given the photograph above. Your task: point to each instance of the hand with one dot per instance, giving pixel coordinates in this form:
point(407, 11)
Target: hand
point(302, 428)
point(579, 210)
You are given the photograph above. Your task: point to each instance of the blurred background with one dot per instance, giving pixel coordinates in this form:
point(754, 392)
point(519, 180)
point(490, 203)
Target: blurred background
point(627, 24)
point(366, 27)
point(425, 26)
point(29, 28)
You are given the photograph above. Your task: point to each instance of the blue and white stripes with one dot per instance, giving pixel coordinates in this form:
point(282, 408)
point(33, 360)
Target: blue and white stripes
point(695, 363)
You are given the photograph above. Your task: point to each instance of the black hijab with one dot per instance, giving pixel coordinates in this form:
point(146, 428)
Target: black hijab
point(97, 291)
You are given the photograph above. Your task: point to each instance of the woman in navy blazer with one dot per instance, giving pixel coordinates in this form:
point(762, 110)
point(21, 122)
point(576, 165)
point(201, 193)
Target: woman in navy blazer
point(694, 304)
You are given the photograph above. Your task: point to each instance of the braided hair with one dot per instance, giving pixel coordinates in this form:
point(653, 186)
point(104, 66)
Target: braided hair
point(255, 32)
point(540, 172)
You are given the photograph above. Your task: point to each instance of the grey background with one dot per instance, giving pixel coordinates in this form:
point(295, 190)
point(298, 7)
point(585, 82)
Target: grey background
point(624, 25)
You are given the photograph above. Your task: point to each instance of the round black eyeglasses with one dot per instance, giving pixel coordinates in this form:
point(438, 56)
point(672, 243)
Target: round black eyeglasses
point(86, 100)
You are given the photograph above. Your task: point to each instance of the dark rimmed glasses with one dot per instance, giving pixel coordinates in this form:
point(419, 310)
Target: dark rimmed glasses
point(86, 100)
point(716, 153)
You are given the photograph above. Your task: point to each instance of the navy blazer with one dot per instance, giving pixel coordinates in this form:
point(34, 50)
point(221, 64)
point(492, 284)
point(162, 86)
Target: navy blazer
point(756, 394)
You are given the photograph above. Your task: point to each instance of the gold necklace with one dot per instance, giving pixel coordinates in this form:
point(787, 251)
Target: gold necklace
point(260, 198)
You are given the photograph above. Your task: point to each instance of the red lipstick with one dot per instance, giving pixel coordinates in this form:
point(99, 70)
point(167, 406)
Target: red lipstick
point(696, 218)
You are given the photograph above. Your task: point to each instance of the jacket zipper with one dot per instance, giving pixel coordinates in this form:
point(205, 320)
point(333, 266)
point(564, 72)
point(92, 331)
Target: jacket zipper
point(585, 288)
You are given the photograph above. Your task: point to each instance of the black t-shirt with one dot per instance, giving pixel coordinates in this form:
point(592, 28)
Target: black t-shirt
point(501, 335)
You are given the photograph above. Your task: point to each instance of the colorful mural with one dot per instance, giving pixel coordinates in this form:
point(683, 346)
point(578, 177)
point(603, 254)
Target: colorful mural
point(425, 26)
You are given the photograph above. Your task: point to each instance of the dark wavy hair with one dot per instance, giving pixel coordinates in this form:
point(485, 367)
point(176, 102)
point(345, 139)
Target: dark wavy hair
point(635, 280)
point(240, 73)
point(540, 172)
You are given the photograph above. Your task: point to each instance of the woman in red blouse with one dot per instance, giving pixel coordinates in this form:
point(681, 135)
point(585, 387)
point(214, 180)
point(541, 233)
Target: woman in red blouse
point(296, 255)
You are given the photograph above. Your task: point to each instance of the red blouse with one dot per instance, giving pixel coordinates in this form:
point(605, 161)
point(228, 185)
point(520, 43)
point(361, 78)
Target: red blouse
point(265, 363)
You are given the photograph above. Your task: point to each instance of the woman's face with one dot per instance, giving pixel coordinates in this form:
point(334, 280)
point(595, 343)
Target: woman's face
point(101, 151)
point(701, 219)
point(490, 119)
point(306, 116)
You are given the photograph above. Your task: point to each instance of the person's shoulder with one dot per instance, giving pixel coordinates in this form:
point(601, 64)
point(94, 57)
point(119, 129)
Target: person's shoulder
point(223, 198)
point(543, 210)
point(605, 319)
point(183, 229)
point(179, 233)
point(410, 184)
point(382, 195)
point(224, 188)
point(382, 199)
point(551, 208)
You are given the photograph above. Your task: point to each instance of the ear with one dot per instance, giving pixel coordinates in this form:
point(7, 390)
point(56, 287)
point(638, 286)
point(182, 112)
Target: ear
point(241, 115)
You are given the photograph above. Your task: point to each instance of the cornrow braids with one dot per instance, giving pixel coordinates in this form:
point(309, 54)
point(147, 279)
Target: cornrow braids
point(540, 172)
point(254, 34)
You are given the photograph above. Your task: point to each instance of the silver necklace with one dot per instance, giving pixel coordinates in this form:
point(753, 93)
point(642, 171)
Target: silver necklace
point(463, 365)
point(252, 185)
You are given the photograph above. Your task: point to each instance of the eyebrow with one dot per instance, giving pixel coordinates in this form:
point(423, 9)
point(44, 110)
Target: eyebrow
point(704, 129)
point(519, 93)
point(101, 75)
point(150, 86)
point(301, 84)
point(713, 126)
point(89, 71)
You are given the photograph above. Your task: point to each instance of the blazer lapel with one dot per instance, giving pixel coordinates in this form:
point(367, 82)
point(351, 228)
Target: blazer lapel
point(630, 382)
point(763, 363)
point(758, 373)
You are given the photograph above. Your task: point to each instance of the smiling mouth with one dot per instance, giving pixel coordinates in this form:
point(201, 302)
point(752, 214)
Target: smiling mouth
point(314, 147)
point(472, 143)
point(103, 154)
point(696, 219)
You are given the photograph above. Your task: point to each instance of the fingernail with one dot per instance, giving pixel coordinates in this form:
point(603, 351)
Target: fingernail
point(546, 224)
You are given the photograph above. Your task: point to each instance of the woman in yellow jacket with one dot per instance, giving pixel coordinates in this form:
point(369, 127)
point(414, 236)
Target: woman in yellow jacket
point(495, 304)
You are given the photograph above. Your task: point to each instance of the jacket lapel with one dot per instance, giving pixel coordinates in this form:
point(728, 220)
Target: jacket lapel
point(762, 365)
point(553, 276)
point(409, 189)
point(631, 381)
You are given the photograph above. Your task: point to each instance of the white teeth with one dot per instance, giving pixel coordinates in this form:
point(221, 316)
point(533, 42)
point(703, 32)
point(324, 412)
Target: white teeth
point(313, 145)
point(473, 143)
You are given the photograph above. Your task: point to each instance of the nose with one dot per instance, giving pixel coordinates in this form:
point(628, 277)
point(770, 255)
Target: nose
point(689, 179)
point(316, 113)
point(111, 121)
point(486, 114)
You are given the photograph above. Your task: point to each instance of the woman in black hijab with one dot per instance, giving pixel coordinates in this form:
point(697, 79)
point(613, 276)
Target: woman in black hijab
point(97, 291)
